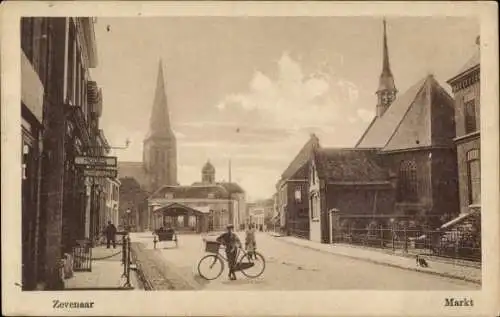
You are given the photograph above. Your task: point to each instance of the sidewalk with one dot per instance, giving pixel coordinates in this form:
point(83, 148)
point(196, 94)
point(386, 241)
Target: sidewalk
point(156, 272)
point(450, 269)
point(106, 274)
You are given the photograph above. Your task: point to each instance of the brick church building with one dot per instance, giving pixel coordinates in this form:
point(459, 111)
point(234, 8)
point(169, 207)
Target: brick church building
point(154, 180)
point(404, 167)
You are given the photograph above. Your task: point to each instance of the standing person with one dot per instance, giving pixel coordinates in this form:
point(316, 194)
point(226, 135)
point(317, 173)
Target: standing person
point(231, 241)
point(110, 235)
point(250, 241)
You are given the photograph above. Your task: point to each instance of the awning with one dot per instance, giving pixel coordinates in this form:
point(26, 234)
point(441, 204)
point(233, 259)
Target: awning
point(32, 90)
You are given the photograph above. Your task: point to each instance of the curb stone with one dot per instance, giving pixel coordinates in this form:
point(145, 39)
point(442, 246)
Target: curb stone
point(448, 275)
point(158, 273)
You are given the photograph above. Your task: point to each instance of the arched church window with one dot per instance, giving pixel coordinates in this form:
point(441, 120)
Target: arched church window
point(408, 181)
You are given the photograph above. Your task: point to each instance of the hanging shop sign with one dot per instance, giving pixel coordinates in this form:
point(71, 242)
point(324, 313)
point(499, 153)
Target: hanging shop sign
point(96, 161)
point(100, 173)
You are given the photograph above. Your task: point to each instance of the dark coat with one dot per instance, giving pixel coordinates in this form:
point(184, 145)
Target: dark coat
point(110, 231)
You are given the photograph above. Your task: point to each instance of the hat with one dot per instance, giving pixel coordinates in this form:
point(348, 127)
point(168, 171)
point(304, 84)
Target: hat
point(229, 226)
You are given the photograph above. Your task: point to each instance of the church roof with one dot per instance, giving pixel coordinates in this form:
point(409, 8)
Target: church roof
point(409, 121)
point(133, 170)
point(159, 124)
point(349, 165)
point(202, 191)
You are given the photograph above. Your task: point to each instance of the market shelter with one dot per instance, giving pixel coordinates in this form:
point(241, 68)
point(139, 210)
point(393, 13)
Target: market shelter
point(181, 217)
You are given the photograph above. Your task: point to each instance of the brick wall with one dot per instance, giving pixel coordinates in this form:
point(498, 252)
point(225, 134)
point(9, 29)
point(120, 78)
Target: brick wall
point(472, 91)
point(424, 186)
point(445, 182)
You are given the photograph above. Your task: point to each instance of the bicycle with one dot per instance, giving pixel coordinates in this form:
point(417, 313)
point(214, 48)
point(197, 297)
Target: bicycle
point(245, 262)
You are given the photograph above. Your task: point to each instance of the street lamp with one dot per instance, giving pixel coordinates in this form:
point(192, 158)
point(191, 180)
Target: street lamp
point(128, 211)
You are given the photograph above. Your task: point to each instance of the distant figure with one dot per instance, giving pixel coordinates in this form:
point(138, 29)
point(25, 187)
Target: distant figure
point(110, 235)
point(250, 241)
point(231, 241)
point(169, 229)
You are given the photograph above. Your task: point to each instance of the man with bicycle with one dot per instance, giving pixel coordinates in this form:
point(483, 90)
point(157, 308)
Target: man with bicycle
point(231, 241)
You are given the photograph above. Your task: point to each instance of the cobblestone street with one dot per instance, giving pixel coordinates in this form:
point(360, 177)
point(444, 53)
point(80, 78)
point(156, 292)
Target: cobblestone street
point(292, 267)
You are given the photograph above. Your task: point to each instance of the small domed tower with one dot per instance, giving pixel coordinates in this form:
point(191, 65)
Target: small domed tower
point(208, 173)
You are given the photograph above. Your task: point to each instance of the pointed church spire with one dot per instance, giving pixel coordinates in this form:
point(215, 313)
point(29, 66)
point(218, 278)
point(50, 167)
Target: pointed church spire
point(159, 124)
point(386, 68)
point(386, 89)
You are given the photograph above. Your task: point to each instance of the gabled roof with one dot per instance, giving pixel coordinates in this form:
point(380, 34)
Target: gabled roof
point(233, 188)
point(304, 155)
point(408, 123)
point(473, 62)
point(176, 209)
point(382, 128)
point(349, 165)
point(207, 191)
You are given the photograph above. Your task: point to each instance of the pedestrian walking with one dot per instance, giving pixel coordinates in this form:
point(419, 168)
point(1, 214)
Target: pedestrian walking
point(110, 235)
point(250, 241)
point(231, 241)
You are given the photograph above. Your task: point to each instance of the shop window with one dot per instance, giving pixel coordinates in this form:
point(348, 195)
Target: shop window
point(474, 176)
point(407, 189)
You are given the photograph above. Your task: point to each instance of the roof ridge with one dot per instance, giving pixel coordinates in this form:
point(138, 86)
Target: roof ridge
point(422, 85)
point(366, 131)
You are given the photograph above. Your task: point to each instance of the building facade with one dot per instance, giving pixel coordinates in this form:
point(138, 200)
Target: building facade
point(112, 200)
point(292, 189)
point(403, 167)
point(466, 88)
point(158, 166)
point(221, 202)
point(133, 207)
point(57, 54)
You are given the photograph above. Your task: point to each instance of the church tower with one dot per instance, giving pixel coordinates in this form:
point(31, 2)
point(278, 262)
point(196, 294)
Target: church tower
point(387, 91)
point(159, 147)
point(208, 173)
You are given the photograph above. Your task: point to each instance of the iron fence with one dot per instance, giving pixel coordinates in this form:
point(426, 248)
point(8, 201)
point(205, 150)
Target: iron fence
point(82, 256)
point(299, 229)
point(457, 244)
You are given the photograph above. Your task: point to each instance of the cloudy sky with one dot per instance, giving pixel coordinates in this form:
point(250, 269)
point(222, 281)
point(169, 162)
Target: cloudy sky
point(273, 79)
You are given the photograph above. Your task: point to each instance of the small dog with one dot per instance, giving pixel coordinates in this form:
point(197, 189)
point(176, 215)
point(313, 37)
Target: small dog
point(421, 262)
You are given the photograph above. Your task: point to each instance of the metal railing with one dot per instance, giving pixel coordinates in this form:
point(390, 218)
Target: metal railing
point(456, 244)
point(299, 229)
point(126, 260)
point(82, 256)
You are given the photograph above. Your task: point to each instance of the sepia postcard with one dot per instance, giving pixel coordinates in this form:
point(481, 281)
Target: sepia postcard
point(250, 158)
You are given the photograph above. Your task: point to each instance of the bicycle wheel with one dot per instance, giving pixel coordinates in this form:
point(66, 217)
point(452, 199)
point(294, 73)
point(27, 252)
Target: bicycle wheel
point(258, 267)
point(210, 267)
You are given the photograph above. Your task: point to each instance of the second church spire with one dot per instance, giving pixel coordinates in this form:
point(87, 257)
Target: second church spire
point(386, 91)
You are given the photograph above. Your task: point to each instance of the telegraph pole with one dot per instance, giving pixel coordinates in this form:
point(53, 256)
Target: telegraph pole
point(230, 209)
